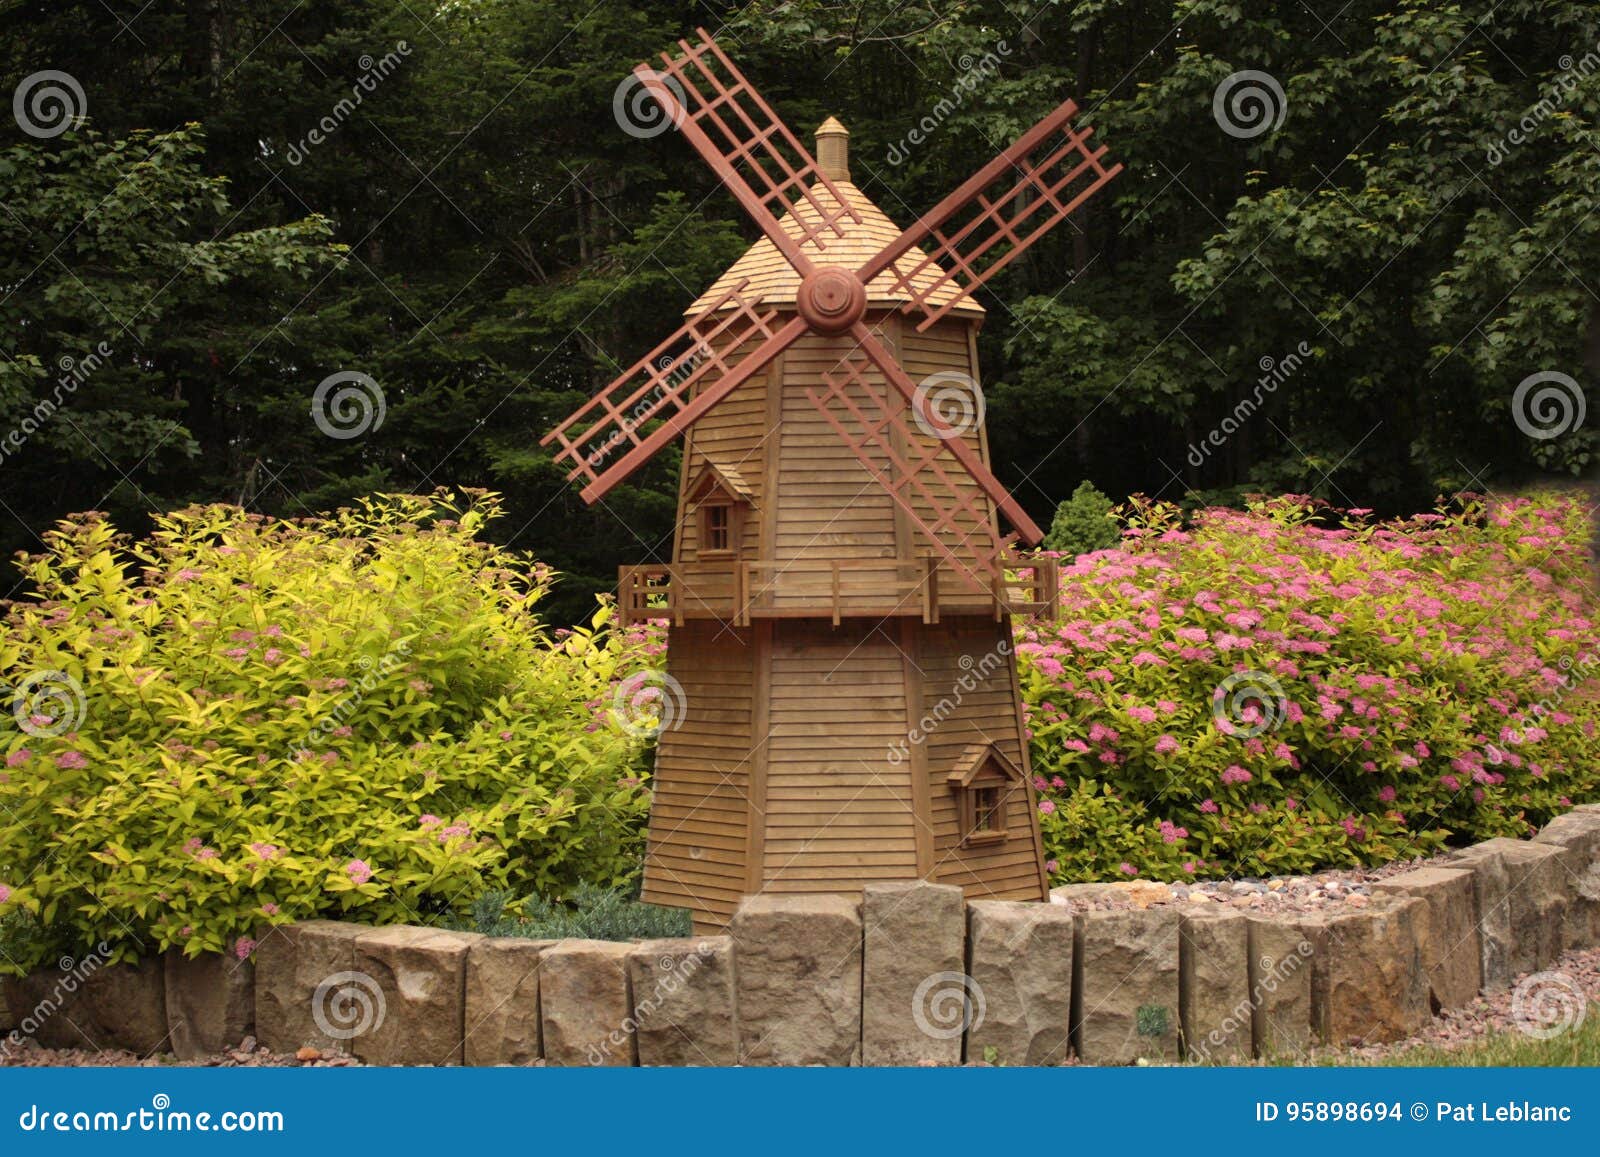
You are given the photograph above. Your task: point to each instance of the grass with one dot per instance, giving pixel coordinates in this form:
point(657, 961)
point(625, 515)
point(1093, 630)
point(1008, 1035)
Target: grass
point(1580, 1046)
point(590, 914)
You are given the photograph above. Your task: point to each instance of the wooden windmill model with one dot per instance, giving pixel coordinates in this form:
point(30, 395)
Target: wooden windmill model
point(839, 594)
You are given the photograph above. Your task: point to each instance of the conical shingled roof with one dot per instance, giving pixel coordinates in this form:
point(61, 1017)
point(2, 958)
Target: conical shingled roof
point(777, 283)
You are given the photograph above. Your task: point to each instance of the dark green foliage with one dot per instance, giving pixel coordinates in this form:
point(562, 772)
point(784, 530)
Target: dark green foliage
point(589, 914)
point(1083, 523)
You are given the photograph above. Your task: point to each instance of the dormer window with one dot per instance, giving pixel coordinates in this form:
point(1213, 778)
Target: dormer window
point(716, 527)
point(719, 498)
point(988, 788)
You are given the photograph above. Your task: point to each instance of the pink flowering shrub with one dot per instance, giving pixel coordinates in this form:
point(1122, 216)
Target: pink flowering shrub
point(244, 721)
point(1288, 688)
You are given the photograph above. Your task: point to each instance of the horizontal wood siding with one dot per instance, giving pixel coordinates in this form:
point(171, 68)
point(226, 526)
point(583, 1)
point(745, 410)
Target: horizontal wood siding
point(967, 699)
point(731, 434)
point(700, 811)
point(838, 813)
point(828, 506)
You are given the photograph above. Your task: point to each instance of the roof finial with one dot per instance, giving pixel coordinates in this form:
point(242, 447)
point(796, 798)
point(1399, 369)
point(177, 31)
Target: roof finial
point(833, 150)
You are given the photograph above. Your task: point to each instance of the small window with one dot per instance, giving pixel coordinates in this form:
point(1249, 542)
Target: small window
point(987, 814)
point(986, 783)
point(716, 526)
point(983, 813)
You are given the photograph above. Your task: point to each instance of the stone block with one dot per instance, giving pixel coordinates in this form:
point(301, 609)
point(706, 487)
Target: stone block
point(916, 998)
point(1369, 982)
point(1019, 956)
point(1448, 928)
point(1281, 968)
point(211, 1003)
point(406, 1004)
point(586, 1008)
point(1214, 1009)
point(683, 1008)
point(1577, 835)
point(1125, 986)
point(797, 961)
point(1535, 898)
point(502, 1009)
point(87, 1004)
point(293, 962)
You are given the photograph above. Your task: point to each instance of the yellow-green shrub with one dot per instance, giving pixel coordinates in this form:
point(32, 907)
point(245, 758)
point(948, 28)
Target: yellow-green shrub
point(245, 721)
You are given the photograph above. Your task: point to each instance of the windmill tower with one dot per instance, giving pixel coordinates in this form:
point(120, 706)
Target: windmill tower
point(841, 585)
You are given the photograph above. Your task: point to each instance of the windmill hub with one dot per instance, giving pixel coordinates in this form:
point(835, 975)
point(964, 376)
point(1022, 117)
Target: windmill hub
point(832, 299)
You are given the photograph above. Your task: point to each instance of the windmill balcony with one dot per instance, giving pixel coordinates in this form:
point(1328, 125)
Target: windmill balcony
point(738, 591)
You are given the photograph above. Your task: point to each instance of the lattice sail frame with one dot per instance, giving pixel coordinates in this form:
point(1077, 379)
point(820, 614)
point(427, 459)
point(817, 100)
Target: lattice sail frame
point(975, 235)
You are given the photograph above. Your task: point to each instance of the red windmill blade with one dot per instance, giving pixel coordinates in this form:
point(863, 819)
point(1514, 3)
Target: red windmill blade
point(1051, 171)
point(1055, 173)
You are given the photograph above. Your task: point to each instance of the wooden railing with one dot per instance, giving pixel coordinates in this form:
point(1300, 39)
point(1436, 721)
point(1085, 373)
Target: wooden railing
point(740, 591)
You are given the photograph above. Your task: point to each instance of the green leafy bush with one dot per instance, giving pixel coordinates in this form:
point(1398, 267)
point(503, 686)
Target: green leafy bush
point(246, 721)
point(1286, 688)
point(1083, 523)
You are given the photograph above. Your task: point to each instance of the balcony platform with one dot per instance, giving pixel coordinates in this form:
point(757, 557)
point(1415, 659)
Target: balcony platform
point(739, 591)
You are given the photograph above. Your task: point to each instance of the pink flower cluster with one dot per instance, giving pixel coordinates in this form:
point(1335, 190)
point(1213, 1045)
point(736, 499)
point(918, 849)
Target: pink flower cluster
point(1357, 689)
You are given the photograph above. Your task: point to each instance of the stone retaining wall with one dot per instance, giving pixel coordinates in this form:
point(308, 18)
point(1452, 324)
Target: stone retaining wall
point(907, 974)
